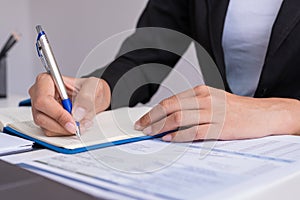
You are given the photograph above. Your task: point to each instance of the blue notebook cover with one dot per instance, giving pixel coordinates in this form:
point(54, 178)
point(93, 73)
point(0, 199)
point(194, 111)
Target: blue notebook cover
point(12, 131)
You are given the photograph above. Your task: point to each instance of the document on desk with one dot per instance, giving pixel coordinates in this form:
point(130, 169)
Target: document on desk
point(159, 170)
point(12, 144)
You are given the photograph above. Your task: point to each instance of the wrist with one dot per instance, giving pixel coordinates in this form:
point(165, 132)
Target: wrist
point(286, 114)
point(293, 112)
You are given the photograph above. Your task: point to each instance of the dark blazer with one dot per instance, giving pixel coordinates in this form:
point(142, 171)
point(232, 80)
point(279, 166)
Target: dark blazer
point(203, 20)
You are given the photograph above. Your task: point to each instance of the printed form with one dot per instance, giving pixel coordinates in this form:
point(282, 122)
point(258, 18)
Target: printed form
point(154, 169)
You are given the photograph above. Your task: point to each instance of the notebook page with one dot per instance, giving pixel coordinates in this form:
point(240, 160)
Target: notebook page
point(108, 126)
point(11, 115)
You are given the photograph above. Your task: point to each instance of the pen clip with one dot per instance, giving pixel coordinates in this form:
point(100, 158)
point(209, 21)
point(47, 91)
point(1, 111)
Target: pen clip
point(41, 55)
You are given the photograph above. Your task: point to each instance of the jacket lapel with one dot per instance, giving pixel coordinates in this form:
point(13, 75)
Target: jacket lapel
point(288, 17)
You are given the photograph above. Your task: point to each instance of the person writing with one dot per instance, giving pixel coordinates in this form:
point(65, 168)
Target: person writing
point(255, 45)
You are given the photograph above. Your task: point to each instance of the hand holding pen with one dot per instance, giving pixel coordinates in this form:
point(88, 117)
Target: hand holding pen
point(45, 53)
point(90, 96)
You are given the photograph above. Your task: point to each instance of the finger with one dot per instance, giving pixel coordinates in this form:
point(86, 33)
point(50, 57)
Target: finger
point(89, 100)
point(72, 85)
point(43, 96)
point(200, 90)
point(172, 105)
point(179, 119)
point(49, 106)
point(84, 102)
point(49, 125)
point(55, 111)
point(53, 134)
point(43, 85)
point(190, 134)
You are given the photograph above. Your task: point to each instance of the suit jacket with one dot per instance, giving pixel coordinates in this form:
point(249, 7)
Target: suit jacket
point(203, 21)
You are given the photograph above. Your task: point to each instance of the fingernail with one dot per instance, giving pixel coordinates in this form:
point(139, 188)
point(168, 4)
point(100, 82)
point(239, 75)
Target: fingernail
point(88, 124)
point(79, 114)
point(70, 127)
point(147, 130)
point(138, 127)
point(167, 138)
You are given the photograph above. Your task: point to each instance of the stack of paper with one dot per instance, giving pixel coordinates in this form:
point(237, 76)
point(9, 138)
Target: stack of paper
point(153, 169)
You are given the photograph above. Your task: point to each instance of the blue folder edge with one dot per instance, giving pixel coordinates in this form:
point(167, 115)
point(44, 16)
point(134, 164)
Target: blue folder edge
point(81, 149)
point(26, 102)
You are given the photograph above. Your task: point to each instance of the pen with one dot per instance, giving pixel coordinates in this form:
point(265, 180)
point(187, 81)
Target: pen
point(46, 55)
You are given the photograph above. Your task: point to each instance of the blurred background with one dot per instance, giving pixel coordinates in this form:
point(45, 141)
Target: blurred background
point(74, 28)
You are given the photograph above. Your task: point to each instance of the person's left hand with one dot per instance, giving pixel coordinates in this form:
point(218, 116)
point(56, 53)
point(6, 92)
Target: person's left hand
point(208, 113)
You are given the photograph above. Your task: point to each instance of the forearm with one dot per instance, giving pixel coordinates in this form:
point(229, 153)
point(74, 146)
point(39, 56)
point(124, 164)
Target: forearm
point(133, 81)
point(269, 116)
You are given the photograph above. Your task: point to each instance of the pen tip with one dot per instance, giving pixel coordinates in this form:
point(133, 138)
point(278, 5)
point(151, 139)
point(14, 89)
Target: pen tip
point(78, 134)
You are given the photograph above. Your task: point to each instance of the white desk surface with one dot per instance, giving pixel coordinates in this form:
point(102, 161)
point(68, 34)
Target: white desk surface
point(286, 189)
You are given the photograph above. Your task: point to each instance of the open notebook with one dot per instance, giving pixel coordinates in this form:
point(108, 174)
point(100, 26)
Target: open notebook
point(110, 128)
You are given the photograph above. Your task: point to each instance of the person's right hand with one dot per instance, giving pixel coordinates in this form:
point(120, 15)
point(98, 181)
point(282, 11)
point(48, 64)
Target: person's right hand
point(89, 97)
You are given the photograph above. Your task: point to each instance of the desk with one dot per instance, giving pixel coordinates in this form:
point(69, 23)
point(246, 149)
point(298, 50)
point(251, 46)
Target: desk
point(286, 189)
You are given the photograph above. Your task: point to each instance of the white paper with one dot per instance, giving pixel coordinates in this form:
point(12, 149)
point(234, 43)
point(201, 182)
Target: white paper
point(12, 144)
point(14, 114)
point(158, 170)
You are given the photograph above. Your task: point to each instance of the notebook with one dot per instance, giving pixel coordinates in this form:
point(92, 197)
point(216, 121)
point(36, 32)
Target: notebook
point(110, 128)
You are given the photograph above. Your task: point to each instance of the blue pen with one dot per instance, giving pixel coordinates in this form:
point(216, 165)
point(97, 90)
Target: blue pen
point(45, 53)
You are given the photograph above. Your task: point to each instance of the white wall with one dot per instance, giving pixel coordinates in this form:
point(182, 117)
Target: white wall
point(74, 28)
point(15, 15)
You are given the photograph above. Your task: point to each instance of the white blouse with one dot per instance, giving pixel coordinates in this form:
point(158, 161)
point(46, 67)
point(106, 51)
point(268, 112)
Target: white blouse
point(246, 35)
